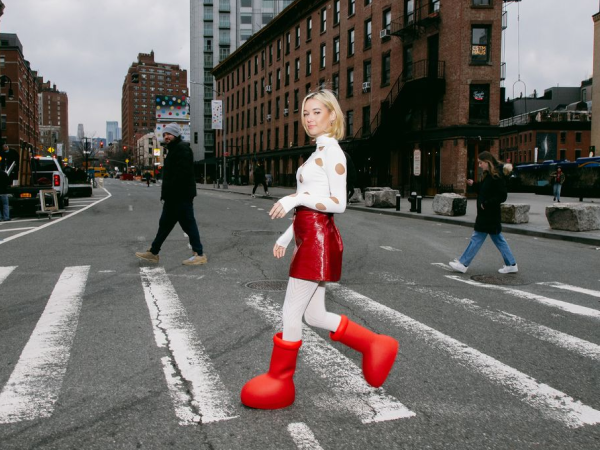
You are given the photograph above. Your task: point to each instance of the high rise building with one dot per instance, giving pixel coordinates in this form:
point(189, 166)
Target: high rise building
point(80, 132)
point(54, 118)
point(217, 28)
point(146, 80)
point(112, 132)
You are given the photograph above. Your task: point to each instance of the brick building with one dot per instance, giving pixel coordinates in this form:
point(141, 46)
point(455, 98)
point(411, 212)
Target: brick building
point(410, 75)
point(19, 114)
point(145, 80)
point(54, 118)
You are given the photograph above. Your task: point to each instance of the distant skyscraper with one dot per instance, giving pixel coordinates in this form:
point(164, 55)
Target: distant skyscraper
point(218, 29)
point(112, 132)
point(80, 133)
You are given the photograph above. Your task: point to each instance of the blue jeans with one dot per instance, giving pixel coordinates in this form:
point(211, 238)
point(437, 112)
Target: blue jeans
point(174, 211)
point(477, 240)
point(4, 211)
point(556, 190)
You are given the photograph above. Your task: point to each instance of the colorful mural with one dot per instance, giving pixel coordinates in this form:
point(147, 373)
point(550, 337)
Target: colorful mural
point(172, 108)
point(546, 146)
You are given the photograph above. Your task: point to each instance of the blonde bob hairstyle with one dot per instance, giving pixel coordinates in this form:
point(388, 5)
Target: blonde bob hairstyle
point(325, 96)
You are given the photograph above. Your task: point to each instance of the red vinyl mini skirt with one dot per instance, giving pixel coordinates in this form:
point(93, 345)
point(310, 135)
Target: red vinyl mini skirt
point(319, 246)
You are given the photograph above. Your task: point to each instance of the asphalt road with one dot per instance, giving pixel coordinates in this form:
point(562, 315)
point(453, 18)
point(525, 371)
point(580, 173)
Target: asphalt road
point(99, 350)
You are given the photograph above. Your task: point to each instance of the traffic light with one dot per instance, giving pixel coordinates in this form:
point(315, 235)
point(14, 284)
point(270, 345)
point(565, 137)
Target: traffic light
point(135, 77)
point(124, 148)
point(101, 144)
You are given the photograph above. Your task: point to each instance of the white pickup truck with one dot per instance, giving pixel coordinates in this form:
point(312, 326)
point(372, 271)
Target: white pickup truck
point(46, 173)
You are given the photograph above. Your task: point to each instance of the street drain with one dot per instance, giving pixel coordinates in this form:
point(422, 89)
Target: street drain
point(255, 233)
point(268, 285)
point(500, 280)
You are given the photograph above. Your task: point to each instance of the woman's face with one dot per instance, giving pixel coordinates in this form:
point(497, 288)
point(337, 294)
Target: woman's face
point(484, 165)
point(317, 118)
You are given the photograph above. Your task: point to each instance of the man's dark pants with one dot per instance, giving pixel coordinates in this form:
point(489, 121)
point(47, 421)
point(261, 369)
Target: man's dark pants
point(174, 211)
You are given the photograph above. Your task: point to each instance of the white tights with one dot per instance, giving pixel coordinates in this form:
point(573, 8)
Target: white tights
point(308, 298)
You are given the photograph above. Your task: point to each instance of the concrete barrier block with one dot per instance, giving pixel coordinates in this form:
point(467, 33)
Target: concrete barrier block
point(514, 213)
point(450, 204)
point(357, 197)
point(573, 216)
point(385, 198)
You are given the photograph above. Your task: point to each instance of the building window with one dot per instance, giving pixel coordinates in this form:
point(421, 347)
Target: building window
point(336, 49)
point(309, 29)
point(255, 64)
point(278, 80)
point(351, 42)
point(297, 36)
point(297, 69)
point(296, 100)
point(351, 7)
point(308, 63)
point(386, 21)
point(350, 123)
point(368, 33)
point(482, 2)
point(578, 136)
point(278, 49)
point(270, 54)
point(563, 137)
point(479, 103)
point(323, 20)
point(335, 81)
point(287, 74)
point(277, 107)
point(407, 63)
point(288, 42)
point(480, 44)
point(323, 54)
point(386, 61)
point(367, 71)
point(350, 84)
point(336, 12)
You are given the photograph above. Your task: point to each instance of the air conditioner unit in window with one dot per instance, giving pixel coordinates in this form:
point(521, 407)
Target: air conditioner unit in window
point(384, 33)
point(268, 117)
point(286, 111)
point(366, 86)
point(268, 88)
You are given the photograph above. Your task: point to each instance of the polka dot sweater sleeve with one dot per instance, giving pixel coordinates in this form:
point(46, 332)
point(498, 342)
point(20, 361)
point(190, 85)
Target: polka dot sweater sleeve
point(321, 180)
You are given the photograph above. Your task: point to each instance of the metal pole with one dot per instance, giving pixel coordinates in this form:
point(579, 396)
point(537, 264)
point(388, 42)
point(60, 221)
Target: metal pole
point(225, 186)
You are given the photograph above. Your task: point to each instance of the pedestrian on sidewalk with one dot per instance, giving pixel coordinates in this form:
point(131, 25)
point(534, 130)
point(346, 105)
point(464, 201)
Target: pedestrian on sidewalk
point(317, 259)
point(259, 178)
point(4, 207)
point(557, 179)
point(177, 193)
point(491, 193)
point(147, 177)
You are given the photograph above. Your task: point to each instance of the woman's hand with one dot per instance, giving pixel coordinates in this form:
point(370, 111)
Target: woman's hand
point(277, 211)
point(278, 251)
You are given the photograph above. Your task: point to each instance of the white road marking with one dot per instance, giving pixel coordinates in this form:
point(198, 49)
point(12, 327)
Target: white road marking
point(340, 373)
point(303, 436)
point(443, 266)
point(568, 287)
point(569, 307)
point(197, 392)
point(35, 383)
point(5, 272)
point(551, 402)
point(130, 207)
point(16, 229)
point(389, 249)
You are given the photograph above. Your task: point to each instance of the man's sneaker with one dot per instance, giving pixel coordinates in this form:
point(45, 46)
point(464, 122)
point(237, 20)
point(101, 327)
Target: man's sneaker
point(267, 194)
point(458, 266)
point(147, 256)
point(195, 260)
point(252, 196)
point(509, 269)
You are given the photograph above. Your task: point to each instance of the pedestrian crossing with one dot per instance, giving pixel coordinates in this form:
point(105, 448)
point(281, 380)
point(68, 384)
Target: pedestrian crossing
point(200, 394)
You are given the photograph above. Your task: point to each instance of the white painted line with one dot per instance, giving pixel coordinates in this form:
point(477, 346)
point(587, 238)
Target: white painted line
point(569, 307)
point(551, 402)
point(443, 266)
point(35, 383)
point(568, 287)
point(389, 249)
point(197, 392)
point(5, 272)
point(16, 229)
point(343, 377)
point(303, 436)
point(54, 221)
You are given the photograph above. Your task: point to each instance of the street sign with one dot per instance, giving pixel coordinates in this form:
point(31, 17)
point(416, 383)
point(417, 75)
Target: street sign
point(126, 161)
point(417, 162)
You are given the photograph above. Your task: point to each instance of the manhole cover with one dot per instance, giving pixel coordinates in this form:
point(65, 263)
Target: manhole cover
point(268, 285)
point(501, 280)
point(255, 232)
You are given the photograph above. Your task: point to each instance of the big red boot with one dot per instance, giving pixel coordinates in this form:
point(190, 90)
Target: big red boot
point(274, 389)
point(379, 351)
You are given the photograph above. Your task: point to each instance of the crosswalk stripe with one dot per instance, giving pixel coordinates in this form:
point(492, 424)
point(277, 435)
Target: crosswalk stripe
point(551, 402)
point(5, 272)
point(569, 307)
point(303, 436)
point(34, 385)
point(197, 392)
point(340, 373)
point(568, 287)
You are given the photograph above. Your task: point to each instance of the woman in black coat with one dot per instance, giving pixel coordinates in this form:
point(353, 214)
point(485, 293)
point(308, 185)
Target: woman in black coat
point(491, 193)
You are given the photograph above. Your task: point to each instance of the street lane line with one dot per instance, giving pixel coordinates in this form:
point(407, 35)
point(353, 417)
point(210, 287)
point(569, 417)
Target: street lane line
point(568, 287)
point(341, 375)
point(17, 229)
point(35, 383)
point(566, 341)
point(303, 436)
point(551, 402)
point(5, 272)
point(569, 307)
point(389, 249)
point(197, 392)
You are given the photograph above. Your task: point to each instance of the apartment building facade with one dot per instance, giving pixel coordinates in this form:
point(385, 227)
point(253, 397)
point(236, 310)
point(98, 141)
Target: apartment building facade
point(54, 118)
point(421, 95)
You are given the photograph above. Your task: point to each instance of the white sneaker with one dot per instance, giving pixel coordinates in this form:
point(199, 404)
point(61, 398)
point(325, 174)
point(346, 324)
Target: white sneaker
point(509, 269)
point(252, 196)
point(458, 266)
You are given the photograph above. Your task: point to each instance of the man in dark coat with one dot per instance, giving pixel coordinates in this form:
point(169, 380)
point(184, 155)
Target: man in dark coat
point(259, 178)
point(4, 207)
point(177, 192)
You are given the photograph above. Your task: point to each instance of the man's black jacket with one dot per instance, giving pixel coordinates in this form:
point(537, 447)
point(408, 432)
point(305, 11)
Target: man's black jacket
point(178, 182)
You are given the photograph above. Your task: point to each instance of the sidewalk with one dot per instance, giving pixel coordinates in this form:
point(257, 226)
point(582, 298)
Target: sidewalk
point(537, 226)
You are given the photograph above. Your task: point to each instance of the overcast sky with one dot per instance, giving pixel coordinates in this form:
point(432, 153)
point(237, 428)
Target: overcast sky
point(86, 46)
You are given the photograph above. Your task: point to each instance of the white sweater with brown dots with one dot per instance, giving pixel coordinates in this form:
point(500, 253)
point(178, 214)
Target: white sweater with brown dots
point(321, 182)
